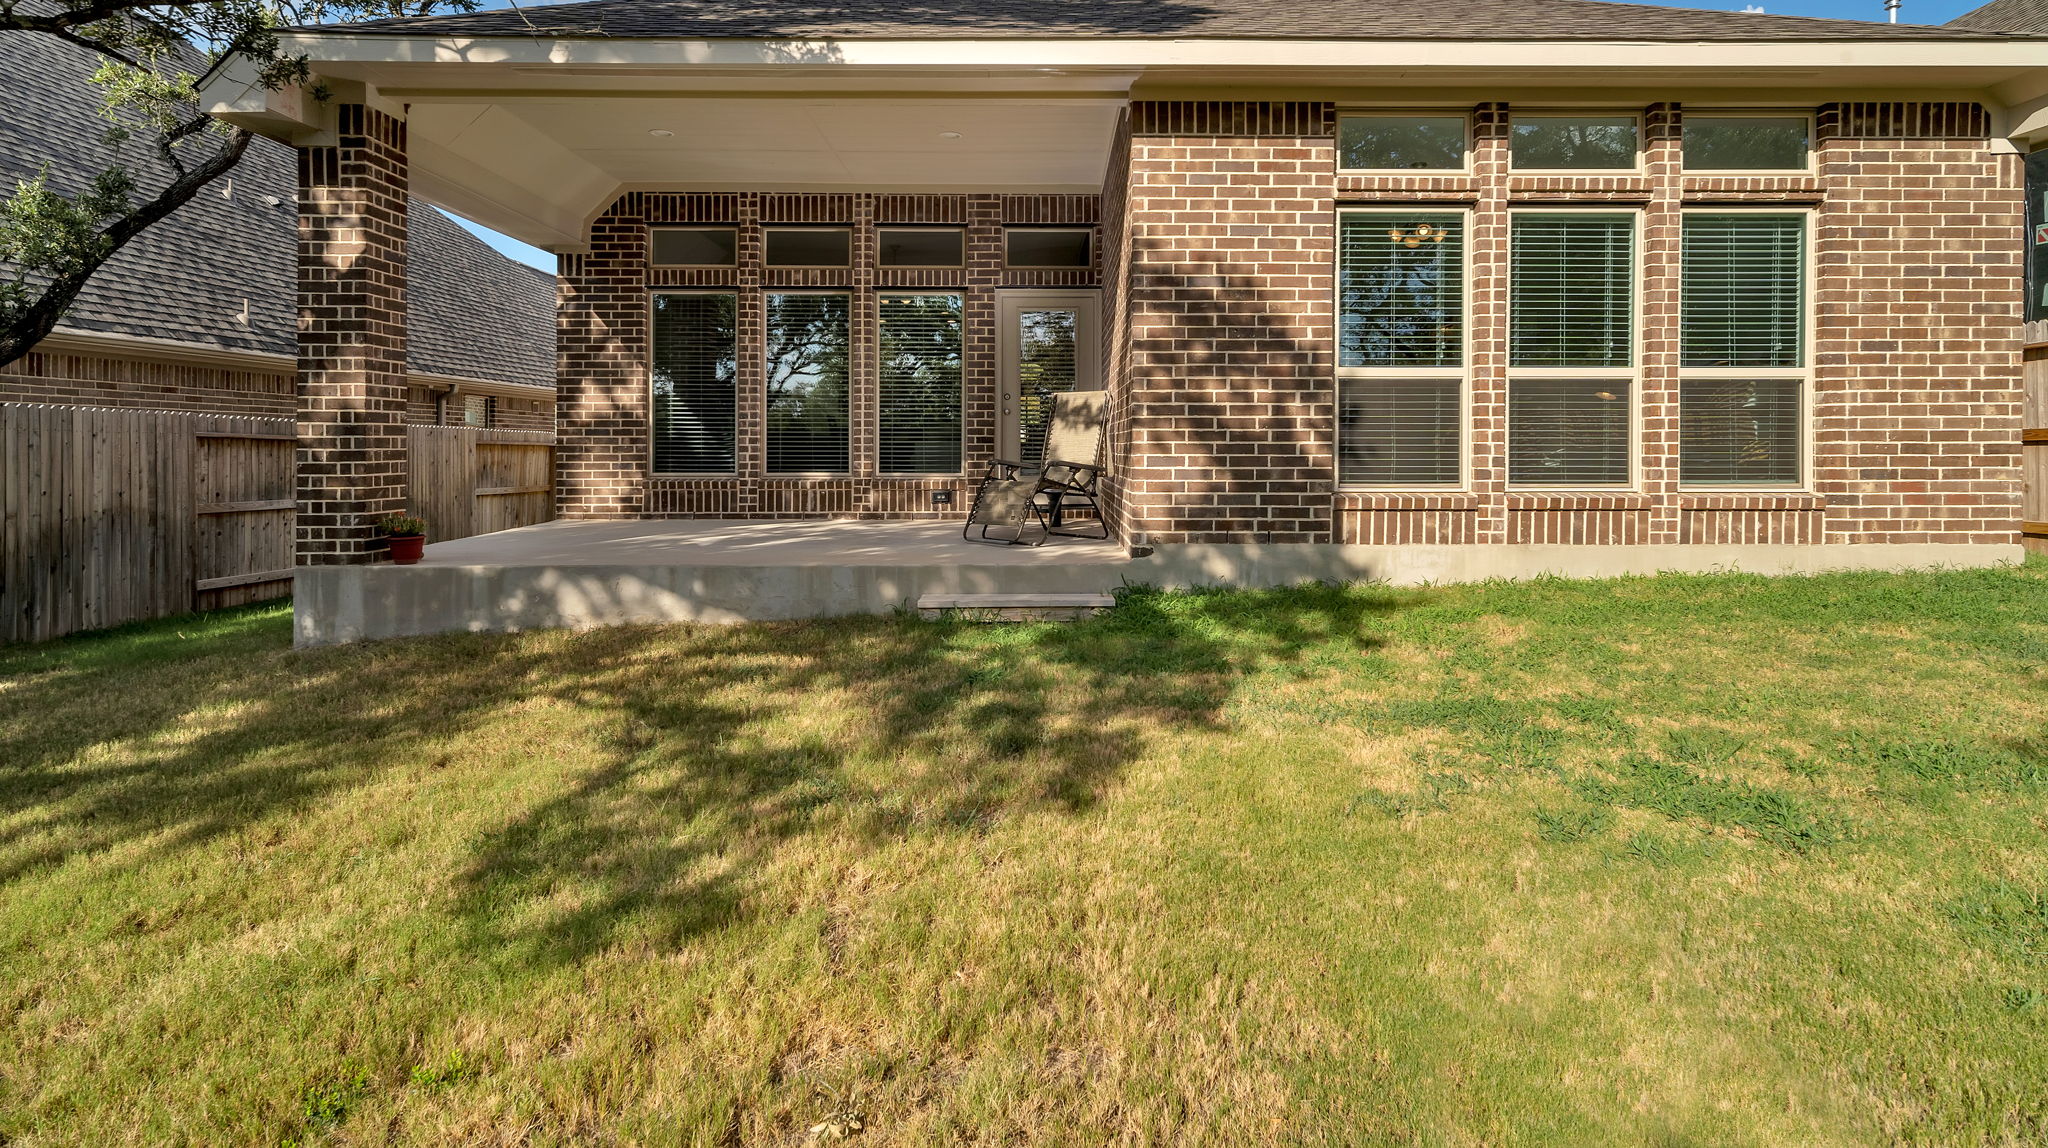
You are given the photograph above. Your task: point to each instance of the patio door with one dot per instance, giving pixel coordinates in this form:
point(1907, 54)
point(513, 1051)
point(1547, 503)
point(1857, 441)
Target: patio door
point(1050, 342)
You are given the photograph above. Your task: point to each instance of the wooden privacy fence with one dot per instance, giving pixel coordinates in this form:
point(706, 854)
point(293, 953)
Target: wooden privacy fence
point(110, 516)
point(469, 481)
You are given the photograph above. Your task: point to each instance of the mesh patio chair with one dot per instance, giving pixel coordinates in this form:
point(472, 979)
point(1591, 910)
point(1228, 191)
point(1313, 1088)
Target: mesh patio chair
point(1013, 495)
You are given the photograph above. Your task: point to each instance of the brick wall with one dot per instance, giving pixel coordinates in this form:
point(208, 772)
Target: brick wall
point(1916, 341)
point(352, 384)
point(603, 412)
point(1919, 340)
point(1230, 387)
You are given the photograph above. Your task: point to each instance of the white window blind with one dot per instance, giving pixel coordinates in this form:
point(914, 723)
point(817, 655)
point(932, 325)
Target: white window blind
point(807, 384)
point(920, 384)
point(1742, 295)
point(1571, 298)
point(696, 372)
point(1568, 432)
point(1738, 432)
point(1401, 289)
point(1399, 432)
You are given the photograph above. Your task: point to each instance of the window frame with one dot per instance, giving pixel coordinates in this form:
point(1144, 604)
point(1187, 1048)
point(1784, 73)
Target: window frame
point(1087, 230)
point(738, 353)
point(952, 229)
point(760, 353)
point(1639, 167)
point(1462, 373)
point(845, 229)
point(734, 228)
point(1711, 113)
point(882, 294)
point(1804, 373)
point(1630, 376)
point(1464, 167)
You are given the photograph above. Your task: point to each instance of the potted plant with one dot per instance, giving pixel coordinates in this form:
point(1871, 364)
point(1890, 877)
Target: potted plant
point(406, 535)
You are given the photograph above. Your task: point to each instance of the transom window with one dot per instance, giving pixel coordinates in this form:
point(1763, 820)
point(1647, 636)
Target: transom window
point(809, 246)
point(695, 246)
point(1571, 348)
point(1561, 141)
point(1384, 142)
point(921, 247)
point(1401, 347)
point(1743, 358)
point(1747, 142)
point(1047, 247)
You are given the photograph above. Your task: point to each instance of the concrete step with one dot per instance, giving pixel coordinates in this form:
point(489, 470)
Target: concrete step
point(1014, 607)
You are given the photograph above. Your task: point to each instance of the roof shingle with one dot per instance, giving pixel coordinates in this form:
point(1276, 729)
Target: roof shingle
point(2030, 16)
point(1186, 19)
point(222, 270)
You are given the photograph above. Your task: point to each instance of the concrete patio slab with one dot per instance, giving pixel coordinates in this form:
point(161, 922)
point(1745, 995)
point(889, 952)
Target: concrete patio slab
point(726, 543)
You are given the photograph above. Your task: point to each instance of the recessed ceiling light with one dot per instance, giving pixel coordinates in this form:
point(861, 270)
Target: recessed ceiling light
point(949, 135)
point(660, 133)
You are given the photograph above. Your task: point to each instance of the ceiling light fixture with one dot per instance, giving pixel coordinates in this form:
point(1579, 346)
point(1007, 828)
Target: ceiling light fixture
point(949, 135)
point(660, 133)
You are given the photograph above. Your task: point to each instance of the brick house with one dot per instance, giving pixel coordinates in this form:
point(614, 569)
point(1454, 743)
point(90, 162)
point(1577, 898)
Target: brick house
point(1526, 285)
point(197, 314)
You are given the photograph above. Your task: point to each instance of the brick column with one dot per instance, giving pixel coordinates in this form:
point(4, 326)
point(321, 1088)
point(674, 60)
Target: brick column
point(1231, 382)
point(1657, 395)
point(601, 354)
point(351, 467)
point(1487, 324)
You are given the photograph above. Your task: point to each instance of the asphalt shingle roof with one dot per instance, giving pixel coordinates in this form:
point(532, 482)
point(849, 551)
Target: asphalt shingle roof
point(222, 270)
point(1187, 19)
point(2030, 16)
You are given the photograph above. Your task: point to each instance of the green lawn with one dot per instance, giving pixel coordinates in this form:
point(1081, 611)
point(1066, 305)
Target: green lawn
point(1686, 860)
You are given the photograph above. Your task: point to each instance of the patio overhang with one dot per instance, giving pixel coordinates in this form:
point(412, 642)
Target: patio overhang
point(534, 136)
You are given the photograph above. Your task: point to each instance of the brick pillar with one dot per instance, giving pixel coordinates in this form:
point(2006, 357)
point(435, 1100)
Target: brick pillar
point(351, 387)
point(1917, 381)
point(1658, 393)
point(1487, 323)
point(1231, 379)
point(601, 353)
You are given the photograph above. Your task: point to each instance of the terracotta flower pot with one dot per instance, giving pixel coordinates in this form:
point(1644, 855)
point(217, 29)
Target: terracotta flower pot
point(407, 548)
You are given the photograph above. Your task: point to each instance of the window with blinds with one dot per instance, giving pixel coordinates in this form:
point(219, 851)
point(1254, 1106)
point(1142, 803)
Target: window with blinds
point(1568, 432)
point(1742, 290)
point(807, 376)
point(1398, 432)
point(1738, 432)
point(1571, 294)
point(920, 384)
point(696, 373)
point(1401, 289)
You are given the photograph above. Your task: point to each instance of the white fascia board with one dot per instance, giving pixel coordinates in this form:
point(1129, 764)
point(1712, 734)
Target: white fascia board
point(1407, 55)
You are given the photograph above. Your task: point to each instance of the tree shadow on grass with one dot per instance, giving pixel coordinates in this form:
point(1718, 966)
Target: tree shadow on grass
point(713, 747)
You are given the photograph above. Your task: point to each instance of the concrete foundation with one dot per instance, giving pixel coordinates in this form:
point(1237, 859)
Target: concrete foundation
point(584, 574)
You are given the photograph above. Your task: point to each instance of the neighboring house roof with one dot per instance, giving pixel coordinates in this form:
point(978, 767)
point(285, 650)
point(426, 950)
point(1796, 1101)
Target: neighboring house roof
point(1186, 19)
point(222, 270)
point(2029, 16)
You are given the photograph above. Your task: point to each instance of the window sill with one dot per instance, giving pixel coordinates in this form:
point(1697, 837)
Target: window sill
point(1751, 500)
point(1578, 500)
point(1360, 498)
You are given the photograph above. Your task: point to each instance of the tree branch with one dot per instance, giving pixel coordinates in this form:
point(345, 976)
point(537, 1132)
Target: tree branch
point(40, 318)
point(13, 20)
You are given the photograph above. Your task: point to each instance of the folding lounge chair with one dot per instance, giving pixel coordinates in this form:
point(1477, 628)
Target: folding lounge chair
point(1013, 495)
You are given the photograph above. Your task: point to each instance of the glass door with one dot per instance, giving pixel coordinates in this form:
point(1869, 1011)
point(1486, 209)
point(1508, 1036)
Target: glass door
point(1050, 343)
